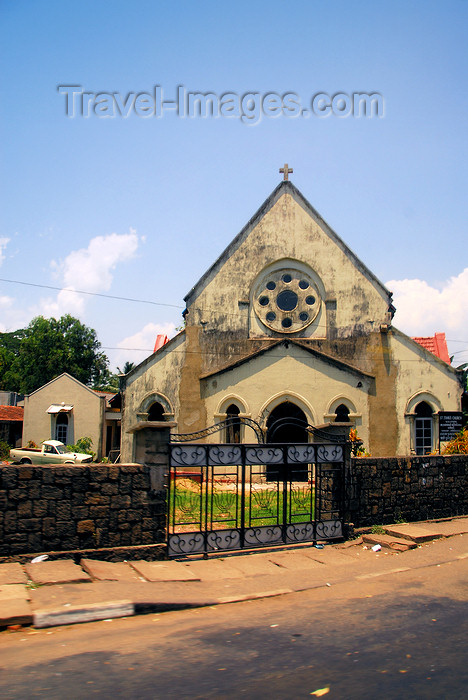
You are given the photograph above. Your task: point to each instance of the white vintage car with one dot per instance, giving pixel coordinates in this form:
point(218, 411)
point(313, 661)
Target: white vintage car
point(51, 452)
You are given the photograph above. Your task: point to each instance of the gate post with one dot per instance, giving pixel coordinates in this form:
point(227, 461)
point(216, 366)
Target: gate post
point(151, 448)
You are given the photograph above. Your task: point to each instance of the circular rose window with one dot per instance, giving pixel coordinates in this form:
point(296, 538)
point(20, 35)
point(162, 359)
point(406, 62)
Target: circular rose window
point(286, 300)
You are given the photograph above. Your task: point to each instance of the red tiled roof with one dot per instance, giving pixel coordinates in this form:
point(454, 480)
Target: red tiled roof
point(437, 345)
point(160, 341)
point(11, 413)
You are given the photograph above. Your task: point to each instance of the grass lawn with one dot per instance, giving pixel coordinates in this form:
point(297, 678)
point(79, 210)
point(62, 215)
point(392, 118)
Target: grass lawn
point(263, 505)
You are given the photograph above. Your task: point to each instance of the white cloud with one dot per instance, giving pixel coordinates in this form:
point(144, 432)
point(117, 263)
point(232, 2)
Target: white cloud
point(90, 270)
point(423, 310)
point(136, 347)
point(3, 244)
point(12, 316)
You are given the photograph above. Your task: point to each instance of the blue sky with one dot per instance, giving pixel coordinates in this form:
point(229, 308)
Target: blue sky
point(141, 207)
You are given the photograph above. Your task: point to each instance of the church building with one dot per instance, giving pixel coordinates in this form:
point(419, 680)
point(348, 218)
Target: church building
point(289, 323)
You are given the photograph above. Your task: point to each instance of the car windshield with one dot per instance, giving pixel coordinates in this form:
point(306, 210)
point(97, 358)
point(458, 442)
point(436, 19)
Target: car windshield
point(61, 449)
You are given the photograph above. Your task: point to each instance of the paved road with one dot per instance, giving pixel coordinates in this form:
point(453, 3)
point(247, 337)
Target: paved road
point(402, 635)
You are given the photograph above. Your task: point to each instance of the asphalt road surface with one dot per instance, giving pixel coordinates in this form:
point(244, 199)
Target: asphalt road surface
point(402, 635)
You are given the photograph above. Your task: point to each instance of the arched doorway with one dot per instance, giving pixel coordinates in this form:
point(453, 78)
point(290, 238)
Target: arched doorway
point(287, 423)
point(156, 412)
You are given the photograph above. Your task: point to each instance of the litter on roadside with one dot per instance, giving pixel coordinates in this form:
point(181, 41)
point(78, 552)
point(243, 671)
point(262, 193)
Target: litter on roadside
point(376, 547)
point(41, 557)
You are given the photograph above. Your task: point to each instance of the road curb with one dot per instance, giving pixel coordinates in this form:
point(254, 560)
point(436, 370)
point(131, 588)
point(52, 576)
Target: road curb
point(88, 613)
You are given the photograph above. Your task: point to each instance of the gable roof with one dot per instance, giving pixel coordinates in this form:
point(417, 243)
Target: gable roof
point(286, 342)
point(11, 413)
point(437, 345)
point(69, 376)
point(285, 187)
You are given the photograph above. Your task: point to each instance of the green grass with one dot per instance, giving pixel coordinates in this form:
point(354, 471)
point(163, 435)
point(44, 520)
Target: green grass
point(262, 507)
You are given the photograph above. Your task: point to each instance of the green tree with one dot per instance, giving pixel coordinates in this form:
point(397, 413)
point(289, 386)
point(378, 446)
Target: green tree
point(45, 349)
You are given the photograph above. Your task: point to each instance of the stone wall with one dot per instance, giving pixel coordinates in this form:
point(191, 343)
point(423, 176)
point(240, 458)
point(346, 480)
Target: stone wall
point(386, 490)
point(59, 508)
point(100, 506)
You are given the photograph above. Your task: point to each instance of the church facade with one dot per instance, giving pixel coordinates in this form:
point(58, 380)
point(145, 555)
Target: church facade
point(288, 322)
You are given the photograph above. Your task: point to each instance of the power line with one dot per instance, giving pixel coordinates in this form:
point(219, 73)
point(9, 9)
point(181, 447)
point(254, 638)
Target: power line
point(153, 303)
point(251, 354)
point(91, 294)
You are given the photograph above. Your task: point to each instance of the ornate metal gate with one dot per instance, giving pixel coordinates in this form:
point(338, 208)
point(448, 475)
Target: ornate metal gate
point(228, 497)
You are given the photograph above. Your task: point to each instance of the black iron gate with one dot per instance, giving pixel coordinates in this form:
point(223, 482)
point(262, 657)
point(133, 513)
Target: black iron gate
point(228, 497)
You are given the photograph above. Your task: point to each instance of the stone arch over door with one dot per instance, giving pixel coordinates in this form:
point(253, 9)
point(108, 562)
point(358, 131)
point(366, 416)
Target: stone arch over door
point(232, 407)
point(421, 412)
point(157, 405)
point(287, 396)
point(340, 407)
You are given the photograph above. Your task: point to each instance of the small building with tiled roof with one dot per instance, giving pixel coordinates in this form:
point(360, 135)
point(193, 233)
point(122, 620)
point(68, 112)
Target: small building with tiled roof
point(11, 424)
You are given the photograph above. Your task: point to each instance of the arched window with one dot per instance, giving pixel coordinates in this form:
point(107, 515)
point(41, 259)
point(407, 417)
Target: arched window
point(342, 414)
point(233, 427)
point(156, 412)
point(423, 428)
point(61, 428)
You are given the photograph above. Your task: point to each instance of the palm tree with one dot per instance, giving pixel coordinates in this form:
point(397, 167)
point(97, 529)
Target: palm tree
point(128, 366)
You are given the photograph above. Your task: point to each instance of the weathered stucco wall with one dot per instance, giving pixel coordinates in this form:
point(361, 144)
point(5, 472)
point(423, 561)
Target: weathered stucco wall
point(288, 231)
point(285, 235)
point(155, 379)
point(420, 376)
point(287, 374)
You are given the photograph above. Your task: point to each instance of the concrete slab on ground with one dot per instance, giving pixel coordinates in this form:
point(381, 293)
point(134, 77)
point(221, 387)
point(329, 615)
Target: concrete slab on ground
point(14, 605)
point(330, 555)
point(254, 565)
point(212, 569)
point(14, 591)
point(416, 532)
point(294, 561)
point(145, 597)
point(109, 571)
point(12, 573)
point(389, 541)
point(163, 571)
point(15, 612)
point(60, 571)
point(449, 528)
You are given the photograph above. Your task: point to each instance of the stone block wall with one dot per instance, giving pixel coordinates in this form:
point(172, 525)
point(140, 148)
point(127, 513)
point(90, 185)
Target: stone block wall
point(59, 508)
point(386, 490)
